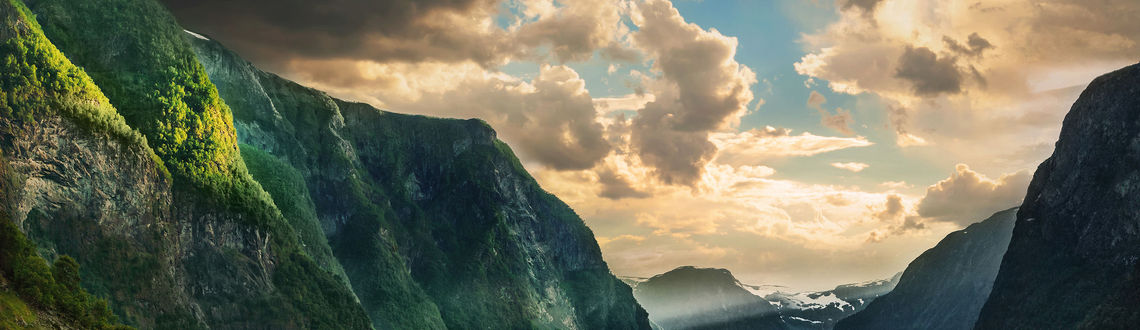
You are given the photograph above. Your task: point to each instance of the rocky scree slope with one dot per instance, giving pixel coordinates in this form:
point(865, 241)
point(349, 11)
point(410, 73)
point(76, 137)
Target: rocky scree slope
point(945, 287)
point(1072, 261)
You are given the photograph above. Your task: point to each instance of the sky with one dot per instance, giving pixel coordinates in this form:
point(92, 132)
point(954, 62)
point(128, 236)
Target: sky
point(804, 143)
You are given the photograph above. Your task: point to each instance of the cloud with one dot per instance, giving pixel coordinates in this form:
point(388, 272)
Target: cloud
point(615, 186)
point(700, 88)
point(576, 29)
point(864, 5)
point(959, 74)
point(896, 185)
point(930, 74)
point(840, 121)
point(967, 196)
point(743, 217)
point(276, 32)
point(630, 102)
point(408, 30)
point(974, 46)
point(550, 119)
point(892, 209)
point(898, 118)
point(851, 166)
point(756, 146)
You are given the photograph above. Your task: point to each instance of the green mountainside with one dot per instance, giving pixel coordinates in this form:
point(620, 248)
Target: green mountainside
point(292, 210)
point(451, 201)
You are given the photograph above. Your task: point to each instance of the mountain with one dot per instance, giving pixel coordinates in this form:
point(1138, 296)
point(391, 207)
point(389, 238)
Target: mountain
point(194, 191)
point(708, 298)
point(821, 310)
point(945, 287)
point(1072, 261)
point(154, 205)
point(689, 297)
point(463, 214)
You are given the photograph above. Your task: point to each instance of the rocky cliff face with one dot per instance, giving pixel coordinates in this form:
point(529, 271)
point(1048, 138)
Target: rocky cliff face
point(945, 287)
point(438, 204)
point(1072, 260)
point(169, 249)
point(295, 210)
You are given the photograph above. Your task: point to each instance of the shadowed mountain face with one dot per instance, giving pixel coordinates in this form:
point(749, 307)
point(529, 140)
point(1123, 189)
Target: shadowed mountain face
point(708, 298)
point(199, 192)
point(945, 287)
point(476, 233)
point(1072, 261)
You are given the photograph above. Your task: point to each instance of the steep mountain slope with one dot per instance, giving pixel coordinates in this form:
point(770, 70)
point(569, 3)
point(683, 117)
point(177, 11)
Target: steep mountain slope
point(945, 287)
point(1072, 261)
point(366, 218)
point(199, 245)
point(705, 298)
point(480, 237)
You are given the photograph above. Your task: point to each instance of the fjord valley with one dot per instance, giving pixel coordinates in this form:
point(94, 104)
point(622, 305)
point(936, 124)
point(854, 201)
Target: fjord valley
point(569, 164)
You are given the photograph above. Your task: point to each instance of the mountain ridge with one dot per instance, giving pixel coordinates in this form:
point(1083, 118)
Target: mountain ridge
point(945, 286)
point(1076, 239)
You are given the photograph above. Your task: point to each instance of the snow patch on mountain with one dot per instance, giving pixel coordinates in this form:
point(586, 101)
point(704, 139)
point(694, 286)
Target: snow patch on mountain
point(805, 301)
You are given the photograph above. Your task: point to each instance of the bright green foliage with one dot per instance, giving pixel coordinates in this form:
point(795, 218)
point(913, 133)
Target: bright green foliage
point(53, 288)
point(134, 51)
point(153, 79)
point(36, 78)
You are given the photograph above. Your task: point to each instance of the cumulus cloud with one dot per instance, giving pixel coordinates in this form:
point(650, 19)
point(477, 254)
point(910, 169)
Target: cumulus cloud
point(893, 209)
point(840, 121)
point(851, 166)
point(959, 73)
point(575, 29)
point(756, 146)
point(967, 196)
point(930, 74)
point(550, 119)
point(701, 88)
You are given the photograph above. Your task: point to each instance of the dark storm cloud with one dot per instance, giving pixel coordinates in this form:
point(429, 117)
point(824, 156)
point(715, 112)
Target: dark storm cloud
point(930, 74)
point(391, 29)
